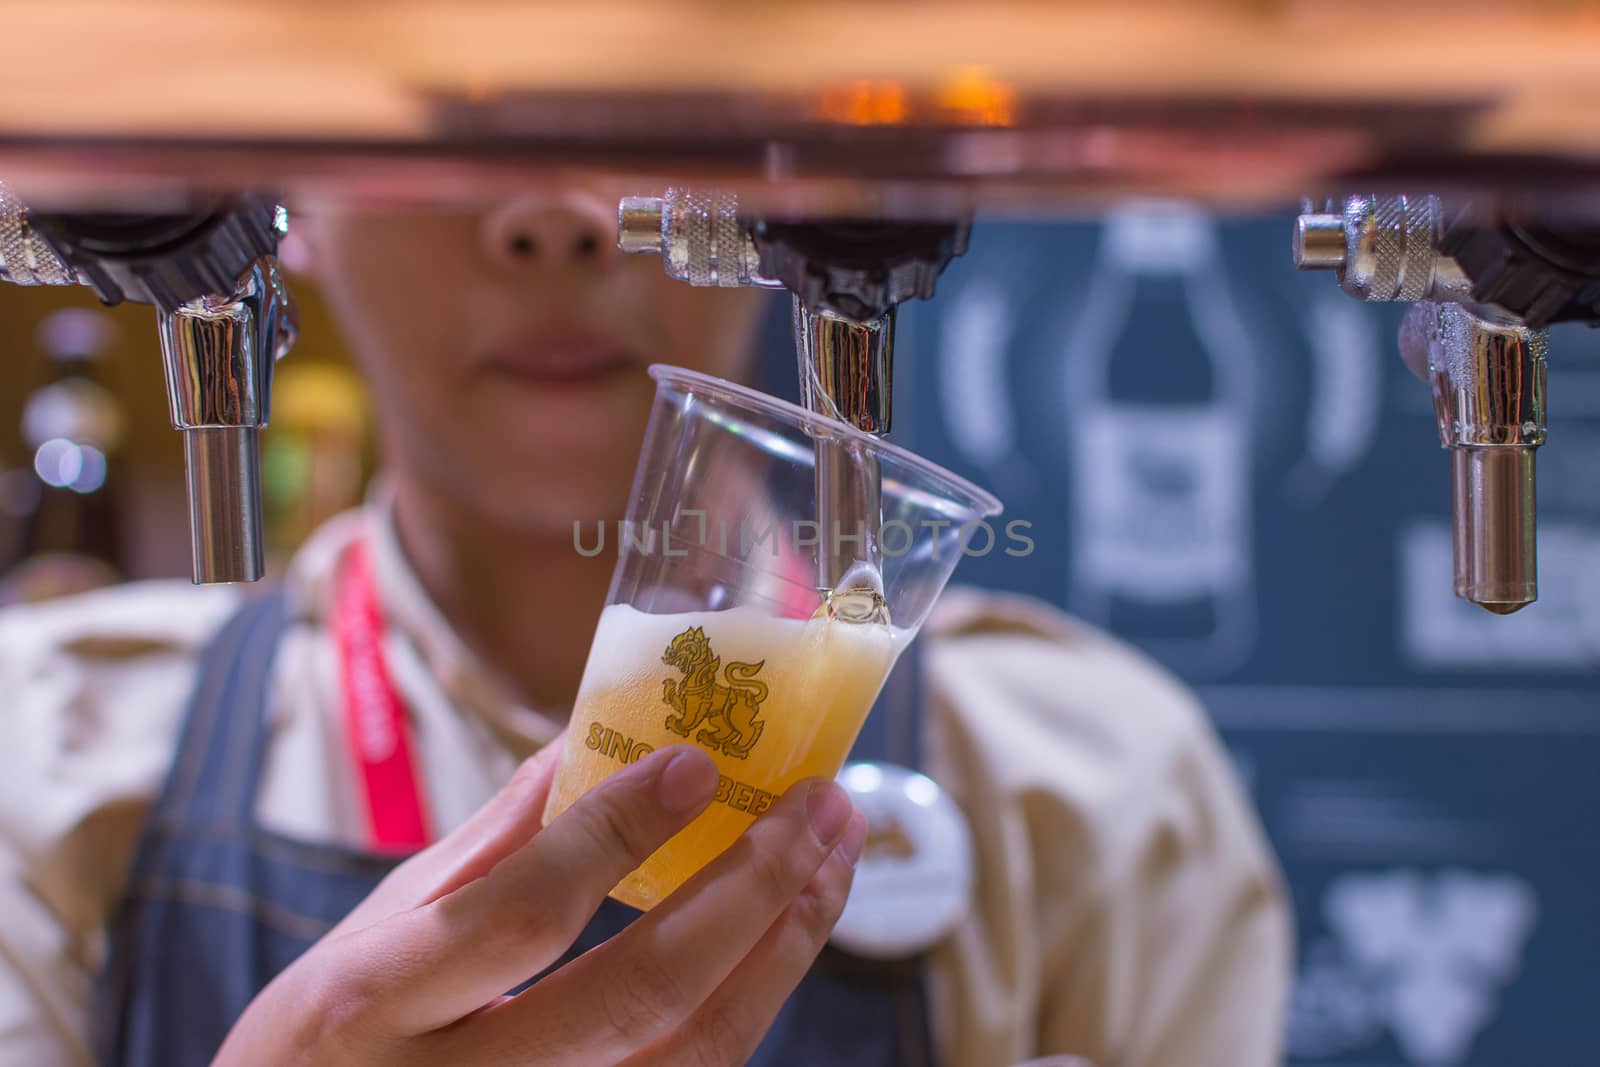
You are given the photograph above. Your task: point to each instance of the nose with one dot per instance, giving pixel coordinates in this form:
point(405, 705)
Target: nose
point(563, 229)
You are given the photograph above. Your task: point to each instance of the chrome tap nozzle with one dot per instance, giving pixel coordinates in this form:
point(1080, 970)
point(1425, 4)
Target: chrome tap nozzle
point(218, 353)
point(1488, 379)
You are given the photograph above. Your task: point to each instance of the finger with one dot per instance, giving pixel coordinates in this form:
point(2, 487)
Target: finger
point(429, 967)
point(648, 979)
point(492, 833)
point(728, 1027)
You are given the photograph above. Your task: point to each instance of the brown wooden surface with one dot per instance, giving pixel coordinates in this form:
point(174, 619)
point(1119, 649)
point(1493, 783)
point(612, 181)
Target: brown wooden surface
point(451, 96)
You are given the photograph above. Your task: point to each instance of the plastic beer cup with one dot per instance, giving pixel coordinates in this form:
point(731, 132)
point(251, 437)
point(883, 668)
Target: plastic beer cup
point(720, 630)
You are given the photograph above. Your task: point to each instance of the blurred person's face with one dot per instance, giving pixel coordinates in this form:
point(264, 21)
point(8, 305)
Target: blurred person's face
point(507, 349)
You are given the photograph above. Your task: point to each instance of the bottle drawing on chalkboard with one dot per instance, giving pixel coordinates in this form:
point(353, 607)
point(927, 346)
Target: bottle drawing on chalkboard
point(1159, 379)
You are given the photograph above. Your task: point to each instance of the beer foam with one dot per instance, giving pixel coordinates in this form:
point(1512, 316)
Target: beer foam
point(628, 643)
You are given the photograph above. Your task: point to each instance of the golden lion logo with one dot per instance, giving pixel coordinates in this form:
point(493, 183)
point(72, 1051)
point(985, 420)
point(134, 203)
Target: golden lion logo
point(726, 709)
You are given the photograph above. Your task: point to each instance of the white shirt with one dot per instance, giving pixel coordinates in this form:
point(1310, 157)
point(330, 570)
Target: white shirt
point(1127, 906)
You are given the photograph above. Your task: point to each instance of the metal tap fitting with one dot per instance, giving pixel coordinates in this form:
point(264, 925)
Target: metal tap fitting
point(1488, 379)
point(845, 365)
point(847, 373)
point(26, 258)
point(217, 350)
point(847, 275)
point(698, 235)
point(1487, 370)
point(1383, 248)
point(218, 353)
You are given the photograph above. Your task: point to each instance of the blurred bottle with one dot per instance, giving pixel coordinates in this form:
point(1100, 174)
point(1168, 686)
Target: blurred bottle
point(314, 453)
point(1160, 384)
point(71, 532)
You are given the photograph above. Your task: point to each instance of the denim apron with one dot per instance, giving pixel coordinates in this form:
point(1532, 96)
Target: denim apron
point(215, 906)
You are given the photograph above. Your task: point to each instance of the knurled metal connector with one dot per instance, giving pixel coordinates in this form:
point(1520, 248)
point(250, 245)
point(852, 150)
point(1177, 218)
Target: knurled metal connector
point(698, 234)
point(26, 258)
point(1384, 248)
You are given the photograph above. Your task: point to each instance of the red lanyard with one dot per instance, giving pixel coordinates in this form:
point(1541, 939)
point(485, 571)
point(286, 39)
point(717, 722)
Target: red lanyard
point(378, 736)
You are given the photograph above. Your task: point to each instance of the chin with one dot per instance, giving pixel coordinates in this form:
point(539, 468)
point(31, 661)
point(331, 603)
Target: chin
point(532, 476)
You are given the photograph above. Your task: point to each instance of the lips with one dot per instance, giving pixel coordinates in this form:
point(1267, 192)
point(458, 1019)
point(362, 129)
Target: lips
point(559, 360)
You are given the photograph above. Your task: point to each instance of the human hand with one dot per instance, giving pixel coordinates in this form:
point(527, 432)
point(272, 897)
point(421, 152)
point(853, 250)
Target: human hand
point(418, 972)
